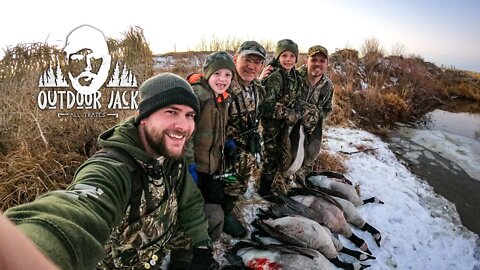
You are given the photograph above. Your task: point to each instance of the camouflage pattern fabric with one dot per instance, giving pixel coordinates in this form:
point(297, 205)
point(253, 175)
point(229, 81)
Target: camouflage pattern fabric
point(317, 100)
point(245, 167)
point(142, 244)
point(280, 111)
point(320, 95)
point(244, 128)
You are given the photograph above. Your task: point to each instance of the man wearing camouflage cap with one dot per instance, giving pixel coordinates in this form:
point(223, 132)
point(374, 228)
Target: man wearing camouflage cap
point(319, 96)
point(243, 129)
point(129, 196)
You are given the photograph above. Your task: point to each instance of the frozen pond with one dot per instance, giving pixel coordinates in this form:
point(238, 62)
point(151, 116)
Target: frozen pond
point(444, 149)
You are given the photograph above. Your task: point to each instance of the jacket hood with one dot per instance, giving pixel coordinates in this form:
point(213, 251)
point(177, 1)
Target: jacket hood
point(125, 136)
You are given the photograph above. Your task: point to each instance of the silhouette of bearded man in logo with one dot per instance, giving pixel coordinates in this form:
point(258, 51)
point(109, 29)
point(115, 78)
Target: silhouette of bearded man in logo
point(88, 59)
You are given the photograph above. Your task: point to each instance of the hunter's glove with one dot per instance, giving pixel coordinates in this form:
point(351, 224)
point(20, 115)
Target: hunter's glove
point(291, 116)
point(311, 115)
point(203, 259)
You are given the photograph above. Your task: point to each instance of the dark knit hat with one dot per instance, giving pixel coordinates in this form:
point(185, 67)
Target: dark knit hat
point(252, 47)
point(163, 90)
point(216, 61)
point(286, 45)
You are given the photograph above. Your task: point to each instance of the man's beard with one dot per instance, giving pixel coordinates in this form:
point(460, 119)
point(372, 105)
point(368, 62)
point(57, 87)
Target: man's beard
point(158, 145)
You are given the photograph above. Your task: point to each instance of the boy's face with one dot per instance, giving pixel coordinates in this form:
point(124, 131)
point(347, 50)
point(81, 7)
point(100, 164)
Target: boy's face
point(287, 59)
point(317, 64)
point(220, 80)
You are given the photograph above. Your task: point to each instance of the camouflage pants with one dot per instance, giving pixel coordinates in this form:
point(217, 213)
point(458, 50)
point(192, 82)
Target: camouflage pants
point(245, 167)
point(276, 148)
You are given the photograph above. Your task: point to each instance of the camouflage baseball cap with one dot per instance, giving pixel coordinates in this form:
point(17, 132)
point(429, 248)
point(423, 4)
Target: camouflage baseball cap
point(252, 47)
point(317, 49)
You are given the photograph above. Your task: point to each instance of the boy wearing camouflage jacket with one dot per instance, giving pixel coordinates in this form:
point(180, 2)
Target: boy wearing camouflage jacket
point(280, 112)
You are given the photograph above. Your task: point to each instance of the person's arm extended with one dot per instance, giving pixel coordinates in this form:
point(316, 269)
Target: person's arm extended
point(17, 251)
point(71, 227)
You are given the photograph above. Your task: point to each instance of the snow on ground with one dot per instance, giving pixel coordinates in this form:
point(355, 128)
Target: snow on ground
point(420, 229)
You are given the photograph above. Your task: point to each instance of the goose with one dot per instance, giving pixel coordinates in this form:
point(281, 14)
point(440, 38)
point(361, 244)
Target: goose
point(348, 209)
point(257, 256)
point(324, 211)
point(306, 233)
point(265, 214)
point(338, 185)
point(353, 217)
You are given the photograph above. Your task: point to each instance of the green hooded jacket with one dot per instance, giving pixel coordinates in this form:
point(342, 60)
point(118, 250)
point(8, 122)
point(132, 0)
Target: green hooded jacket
point(207, 146)
point(72, 226)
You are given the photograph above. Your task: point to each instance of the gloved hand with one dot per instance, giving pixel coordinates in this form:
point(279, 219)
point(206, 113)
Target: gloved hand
point(203, 259)
point(291, 116)
point(230, 153)
point(192, 169)
point(311, 116)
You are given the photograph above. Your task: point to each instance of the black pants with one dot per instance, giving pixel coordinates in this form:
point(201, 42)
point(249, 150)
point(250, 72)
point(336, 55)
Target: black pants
point(213, 191)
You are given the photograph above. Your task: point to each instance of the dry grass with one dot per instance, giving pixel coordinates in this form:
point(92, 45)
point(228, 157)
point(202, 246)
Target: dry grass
point(38, 150)
point(28, 173)
point(374, 91)
point(228, 44)
point(329, 162)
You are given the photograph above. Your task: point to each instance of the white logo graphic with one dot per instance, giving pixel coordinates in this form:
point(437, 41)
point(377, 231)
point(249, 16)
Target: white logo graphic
point(86, 68)
point(88, 59)
point(83, 190)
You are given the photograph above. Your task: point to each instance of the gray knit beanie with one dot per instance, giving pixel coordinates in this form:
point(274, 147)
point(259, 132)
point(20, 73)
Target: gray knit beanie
point(163, 90)
point(286, 45)
point(216, 61)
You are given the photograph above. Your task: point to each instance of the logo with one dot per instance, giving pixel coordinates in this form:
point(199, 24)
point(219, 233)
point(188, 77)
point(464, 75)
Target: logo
point(75, 79)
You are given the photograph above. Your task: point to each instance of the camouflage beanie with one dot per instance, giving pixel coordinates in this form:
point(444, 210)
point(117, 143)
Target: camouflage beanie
point(286, 45)
point(163, 90)
point(216, 61)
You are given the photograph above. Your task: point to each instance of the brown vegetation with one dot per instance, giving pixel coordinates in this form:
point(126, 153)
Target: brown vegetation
point(375, 92)
point(40, 152)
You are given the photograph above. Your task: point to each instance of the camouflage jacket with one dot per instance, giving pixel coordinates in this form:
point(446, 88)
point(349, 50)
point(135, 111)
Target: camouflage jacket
point(72, 227)
point(320, 95)
point(207, 146)
point(244, 115)
point(282, 92)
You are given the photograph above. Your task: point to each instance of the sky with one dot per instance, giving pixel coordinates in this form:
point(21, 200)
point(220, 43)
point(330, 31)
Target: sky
point(441, 31)
point(420, 229)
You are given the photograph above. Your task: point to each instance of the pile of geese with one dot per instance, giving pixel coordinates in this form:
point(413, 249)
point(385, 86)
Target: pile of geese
point(299, 230)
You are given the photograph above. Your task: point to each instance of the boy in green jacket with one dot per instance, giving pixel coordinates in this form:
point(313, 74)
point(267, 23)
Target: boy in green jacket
point(206, 152)
point(125, 218)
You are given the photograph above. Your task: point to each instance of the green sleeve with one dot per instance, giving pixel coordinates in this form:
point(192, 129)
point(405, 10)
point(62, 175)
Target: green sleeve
point(191, 214)
point(72, 226)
